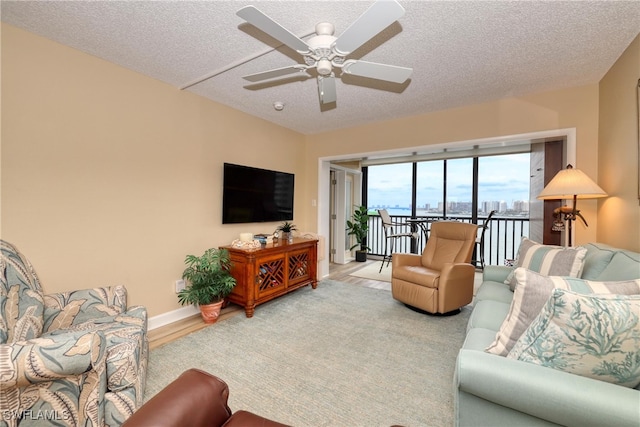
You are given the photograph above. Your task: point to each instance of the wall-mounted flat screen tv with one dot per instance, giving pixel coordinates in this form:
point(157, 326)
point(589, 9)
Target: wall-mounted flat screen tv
point(256, 195)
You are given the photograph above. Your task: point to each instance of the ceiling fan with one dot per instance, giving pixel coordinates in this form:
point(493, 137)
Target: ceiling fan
point(325, 52)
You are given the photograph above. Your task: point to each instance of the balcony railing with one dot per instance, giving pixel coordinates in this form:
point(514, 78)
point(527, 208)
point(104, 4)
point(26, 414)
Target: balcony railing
point(501, 239)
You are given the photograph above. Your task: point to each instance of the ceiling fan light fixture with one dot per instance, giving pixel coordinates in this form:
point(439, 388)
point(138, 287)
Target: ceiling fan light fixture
point(324, 67)
point(325, 29)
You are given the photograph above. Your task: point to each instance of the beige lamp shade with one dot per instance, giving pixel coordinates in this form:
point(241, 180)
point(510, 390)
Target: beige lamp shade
point(571, 183)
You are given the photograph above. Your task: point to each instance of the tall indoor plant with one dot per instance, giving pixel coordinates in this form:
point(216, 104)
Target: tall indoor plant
point(210, 281)
point(358, 227)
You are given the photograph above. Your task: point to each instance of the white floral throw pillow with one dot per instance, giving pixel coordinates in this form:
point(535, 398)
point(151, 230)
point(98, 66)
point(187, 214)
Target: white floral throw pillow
point(595, 336)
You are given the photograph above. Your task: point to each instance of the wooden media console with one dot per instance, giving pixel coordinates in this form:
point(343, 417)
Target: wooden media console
point(273, 270)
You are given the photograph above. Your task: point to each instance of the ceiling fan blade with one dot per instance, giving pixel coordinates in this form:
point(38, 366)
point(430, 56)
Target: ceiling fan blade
point(275, 73)
point(271, 27)
point(374, 70)
point(379, 16)
point(327, 89)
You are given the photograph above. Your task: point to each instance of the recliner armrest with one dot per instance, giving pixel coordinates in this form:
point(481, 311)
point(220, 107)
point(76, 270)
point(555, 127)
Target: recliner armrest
point(455, 288)
point(401, 259)
point(196, 398)
point(454, 272)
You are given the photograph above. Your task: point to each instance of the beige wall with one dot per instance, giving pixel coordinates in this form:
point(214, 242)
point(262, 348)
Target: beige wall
point(619, 214)
point(110, 177)
point(569, 108)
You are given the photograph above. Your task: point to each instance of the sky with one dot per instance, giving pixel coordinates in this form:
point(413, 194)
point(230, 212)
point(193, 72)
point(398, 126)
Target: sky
point(501, 178)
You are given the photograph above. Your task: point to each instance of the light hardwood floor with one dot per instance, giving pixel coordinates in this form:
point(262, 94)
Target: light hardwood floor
point(339, 272)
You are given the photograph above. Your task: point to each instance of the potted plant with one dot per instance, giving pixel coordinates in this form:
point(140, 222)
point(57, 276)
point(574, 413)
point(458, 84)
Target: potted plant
point(359, 228)
point(285, 230)
point(210, 281)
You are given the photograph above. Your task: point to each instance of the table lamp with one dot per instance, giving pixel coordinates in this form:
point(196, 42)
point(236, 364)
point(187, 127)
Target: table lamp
point(571, 183)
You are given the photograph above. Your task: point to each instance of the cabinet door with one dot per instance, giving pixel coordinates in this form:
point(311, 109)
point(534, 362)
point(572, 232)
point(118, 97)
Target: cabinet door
point(299, 266)
point(270, 275)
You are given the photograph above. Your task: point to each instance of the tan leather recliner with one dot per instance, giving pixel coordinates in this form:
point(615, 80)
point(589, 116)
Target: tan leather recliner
point(441, 279)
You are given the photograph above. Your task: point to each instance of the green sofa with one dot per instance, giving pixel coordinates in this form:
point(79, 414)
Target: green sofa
point(492, 390)
point(70, 358)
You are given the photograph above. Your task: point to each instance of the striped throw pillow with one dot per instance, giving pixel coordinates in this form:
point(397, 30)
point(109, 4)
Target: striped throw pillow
point(532, 292)
point(549, 260)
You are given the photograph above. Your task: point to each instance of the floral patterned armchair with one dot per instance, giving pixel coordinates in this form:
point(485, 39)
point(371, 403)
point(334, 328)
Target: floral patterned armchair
point(71, 358)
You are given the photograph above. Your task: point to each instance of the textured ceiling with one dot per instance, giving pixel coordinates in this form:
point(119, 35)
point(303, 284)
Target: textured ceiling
point(461, 52)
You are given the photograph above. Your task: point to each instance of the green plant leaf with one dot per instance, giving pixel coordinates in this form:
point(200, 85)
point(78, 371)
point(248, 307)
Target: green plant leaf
point(287, 227)
point(359, 227)
point(209, 277)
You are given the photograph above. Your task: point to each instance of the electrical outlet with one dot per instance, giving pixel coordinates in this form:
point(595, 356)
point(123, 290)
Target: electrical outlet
point(180, 285)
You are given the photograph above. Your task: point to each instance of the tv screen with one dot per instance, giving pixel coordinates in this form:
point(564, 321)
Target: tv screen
point(256, 195)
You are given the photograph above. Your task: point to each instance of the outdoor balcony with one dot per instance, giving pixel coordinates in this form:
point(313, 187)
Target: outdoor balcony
point(502, 239)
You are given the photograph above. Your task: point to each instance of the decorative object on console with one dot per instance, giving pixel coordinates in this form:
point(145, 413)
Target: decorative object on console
point(262, 238)
point(253, 244)
point(246, 237)
point(359, 228)
point(573, 184)
point(286, 229)
point(210, 281)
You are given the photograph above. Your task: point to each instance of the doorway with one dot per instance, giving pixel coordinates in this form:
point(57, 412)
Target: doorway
point(344, 193)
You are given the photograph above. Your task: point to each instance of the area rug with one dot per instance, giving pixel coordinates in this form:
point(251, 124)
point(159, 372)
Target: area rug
point(339, 355)
point(372, 271)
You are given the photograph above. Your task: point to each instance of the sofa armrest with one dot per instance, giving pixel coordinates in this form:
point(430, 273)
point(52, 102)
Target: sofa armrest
point(65, 309)
point(195, 398)
point(548, 394)
point(56, 356)
point(495, 273)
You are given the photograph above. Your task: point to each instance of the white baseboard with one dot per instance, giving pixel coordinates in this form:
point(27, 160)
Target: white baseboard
point(172, 316)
